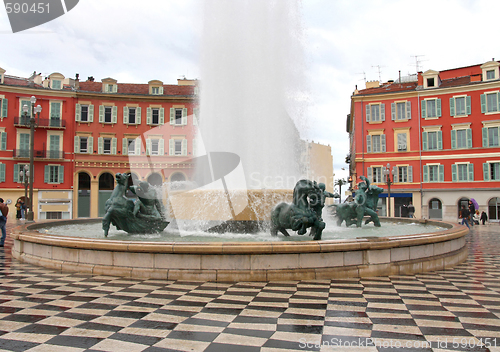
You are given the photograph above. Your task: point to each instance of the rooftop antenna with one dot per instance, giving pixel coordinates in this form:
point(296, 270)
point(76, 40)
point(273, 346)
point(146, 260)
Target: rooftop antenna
point(379, 72)
point(364, 75)
point(418, 62)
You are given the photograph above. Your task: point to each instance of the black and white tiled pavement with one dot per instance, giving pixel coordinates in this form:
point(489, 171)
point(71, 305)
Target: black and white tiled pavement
point(457, 309)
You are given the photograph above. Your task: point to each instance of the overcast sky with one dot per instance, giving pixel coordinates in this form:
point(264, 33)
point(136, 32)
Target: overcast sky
point(344, 42)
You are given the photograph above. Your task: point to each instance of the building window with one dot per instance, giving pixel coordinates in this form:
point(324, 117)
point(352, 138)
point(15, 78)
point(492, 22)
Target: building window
point(432, 140)
point(461, 138)
point(155, 116)
point(490, 136)
point(131, 146)
point(401, 111)
point(154, 146)
point(489, 102)
point(401, 138)
point(430, 82)
point(131, 115)
point(108, 114)
point(178, 116)
point(106, 145)
point(375, 143)
point(56, 84)
point(84, 144)
point(375, 174)
point(53, 215)
point(490, 74)
point(155, 90)
point(462, 172)
point(54, 174)
point(54, 147)
point(403, 174)
point(431, 108)
point(460, 106)
point(375, 112)
point(491, 171)
point(178, 147)
point(17, 176)
point(84, 113)
point(433, 173)
point(4, 104)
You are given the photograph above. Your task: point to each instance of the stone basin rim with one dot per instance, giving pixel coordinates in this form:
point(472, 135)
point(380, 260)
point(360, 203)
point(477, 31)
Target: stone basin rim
point(27, 232)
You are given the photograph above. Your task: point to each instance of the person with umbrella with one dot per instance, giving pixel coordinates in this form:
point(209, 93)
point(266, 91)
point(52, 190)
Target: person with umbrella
point(472, 211)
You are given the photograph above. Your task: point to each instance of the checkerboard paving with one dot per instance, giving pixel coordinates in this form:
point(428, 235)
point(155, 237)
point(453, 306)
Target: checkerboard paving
point(451, 310)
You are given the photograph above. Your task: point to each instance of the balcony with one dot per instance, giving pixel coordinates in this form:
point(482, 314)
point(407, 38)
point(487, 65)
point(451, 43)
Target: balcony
point(54, 122)
point(39, 154)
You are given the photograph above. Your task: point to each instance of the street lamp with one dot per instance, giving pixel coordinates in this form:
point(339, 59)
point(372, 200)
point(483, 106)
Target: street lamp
point(33, 124)
point(387, 172)
point(24, 174)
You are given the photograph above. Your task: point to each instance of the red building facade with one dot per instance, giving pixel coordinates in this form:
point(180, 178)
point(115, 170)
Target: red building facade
point(89, 131)
point(439, 134)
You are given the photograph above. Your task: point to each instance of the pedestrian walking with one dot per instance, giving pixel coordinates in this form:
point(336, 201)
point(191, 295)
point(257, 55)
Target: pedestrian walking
point(472, 211)
point(4, 210)
point(484, 217)
point(464, 215)
point(18, 209)
point(411, 210)
point(476, 218)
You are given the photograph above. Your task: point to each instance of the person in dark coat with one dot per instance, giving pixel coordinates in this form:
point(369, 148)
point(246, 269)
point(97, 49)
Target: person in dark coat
point(484, 217)
point(464, 215)
point(472, 211)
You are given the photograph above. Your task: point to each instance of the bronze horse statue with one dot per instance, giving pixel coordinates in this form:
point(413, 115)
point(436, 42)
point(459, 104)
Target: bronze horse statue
point(300, 215)
point(121, 213)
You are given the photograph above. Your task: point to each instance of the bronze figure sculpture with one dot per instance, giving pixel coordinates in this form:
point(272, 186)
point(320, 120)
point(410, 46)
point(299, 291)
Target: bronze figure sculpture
point(303, 213)
point(364, 204)
point(145, 215)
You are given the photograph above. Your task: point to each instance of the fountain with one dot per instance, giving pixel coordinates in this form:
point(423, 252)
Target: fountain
point(252, 79)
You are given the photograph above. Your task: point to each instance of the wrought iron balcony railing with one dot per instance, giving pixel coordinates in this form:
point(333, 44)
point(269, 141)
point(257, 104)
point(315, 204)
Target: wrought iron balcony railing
point(53, 122)
point(39, 154)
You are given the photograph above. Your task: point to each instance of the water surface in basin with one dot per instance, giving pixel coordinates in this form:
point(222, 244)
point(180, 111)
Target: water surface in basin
point(171, 234)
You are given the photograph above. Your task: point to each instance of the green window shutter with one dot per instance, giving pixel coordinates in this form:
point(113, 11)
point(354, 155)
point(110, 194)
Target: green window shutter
point(393, 111)
point(138, 115)
point(408, 110)
point(424, 109)
point(441, 173)
point(471, 172)
point(2, 172)
point(162, 116)
point(46, 174)
point(16, 173)
point(485, 137)
point(90, 145)
point(61, 174)
point(453, 139)
point(115, 114)
point(438, 107)
point(172, 116)
point(467, 105)
point(91, 113)
point(368, 144)
point(483, 103)
point(124, 146)
point(5, 104)
point(78, 112)
point(469, 138)
point(454, 172)
point(77, 145)
point(486, 171)
point(424, 140)
point(426, 173)
point(149, 113)
point(440, 140)
point(184, 146)
point(3, 141)
point(138, 146)
point(161, 90)
point(171, 147)
point(113, 146)
point(125, 114)
point(367, 113)
point(382, 112)
point(369, 173)
point(101, 113)
point(161, 148)
point(184, 116)
point(115, 88)
point(55, 110)
point(148, 146)
point(410, 173)
point(382, 142)
point(498, 102)
point(452, 106)
point(100, 145)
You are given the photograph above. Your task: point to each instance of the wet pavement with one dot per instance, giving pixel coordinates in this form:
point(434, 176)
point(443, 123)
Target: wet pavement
point(456, 309)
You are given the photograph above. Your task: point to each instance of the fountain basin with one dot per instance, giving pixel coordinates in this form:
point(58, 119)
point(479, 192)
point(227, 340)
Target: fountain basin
point(244, 261)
